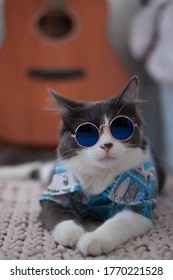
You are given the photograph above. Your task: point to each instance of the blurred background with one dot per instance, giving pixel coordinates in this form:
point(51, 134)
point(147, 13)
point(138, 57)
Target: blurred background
point(85, 50)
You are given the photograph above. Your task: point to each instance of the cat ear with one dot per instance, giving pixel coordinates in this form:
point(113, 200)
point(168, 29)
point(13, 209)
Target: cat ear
point(64, 104)
point(130, 91)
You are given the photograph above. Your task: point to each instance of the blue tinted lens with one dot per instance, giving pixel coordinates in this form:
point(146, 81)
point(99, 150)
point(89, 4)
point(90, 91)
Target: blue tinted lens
point(87, 135)
point(121, 128)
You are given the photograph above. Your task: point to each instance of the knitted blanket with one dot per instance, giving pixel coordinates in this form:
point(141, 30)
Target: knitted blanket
point(22, 236)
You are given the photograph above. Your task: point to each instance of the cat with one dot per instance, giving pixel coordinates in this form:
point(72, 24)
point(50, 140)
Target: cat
point(97, 182)
point(112, 182)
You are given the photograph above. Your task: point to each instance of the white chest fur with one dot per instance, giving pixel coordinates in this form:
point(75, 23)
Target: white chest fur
point(96, 179)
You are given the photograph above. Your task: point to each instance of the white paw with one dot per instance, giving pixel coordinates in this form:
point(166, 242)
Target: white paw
point(94, 244)
point(67, 233)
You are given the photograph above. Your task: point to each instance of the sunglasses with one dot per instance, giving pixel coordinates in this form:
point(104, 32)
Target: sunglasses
point(121, 128)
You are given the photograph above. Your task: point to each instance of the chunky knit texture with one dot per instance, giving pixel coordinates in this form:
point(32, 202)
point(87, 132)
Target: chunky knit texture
point(22, 236)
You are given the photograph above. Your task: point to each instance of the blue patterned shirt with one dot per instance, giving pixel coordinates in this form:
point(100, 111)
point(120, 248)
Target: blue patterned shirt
point(134, 189)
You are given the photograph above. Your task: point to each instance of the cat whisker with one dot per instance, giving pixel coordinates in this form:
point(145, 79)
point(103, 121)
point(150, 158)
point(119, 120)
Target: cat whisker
point(67, 152)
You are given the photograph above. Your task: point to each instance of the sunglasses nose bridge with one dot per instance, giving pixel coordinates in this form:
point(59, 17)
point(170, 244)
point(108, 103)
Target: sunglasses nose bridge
point(102, 127)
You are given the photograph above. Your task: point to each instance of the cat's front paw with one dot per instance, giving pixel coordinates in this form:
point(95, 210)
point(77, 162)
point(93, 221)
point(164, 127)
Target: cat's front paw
point(67, 233)
point(94, 244)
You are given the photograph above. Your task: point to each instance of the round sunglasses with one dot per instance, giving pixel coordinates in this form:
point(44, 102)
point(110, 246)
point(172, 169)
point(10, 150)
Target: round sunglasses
point(121, 128)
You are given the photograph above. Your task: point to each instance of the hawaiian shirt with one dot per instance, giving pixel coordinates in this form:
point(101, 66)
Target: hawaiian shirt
point(134, 189)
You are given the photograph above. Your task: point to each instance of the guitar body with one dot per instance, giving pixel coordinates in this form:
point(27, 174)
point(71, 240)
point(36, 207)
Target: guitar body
point(75, 60)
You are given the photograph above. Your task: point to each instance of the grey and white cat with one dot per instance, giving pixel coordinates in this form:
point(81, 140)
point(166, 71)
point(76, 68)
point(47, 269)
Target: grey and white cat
point(95, 169)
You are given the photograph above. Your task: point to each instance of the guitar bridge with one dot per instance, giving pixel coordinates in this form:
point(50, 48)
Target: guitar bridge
point(55, 74)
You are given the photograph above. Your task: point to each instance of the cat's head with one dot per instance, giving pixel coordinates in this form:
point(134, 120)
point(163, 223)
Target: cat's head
point(107, 152)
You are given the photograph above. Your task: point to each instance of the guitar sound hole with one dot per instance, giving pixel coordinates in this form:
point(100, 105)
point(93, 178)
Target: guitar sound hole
point(55, 24)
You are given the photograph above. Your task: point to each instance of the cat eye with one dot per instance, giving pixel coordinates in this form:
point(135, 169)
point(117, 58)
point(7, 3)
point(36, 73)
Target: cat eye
point(121, 128)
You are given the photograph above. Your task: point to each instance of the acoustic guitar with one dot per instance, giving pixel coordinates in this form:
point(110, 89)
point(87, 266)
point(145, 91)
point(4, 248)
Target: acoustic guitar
point(57, 44)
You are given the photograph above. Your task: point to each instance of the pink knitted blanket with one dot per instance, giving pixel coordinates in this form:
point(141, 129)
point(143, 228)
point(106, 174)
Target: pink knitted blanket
point(22, 236)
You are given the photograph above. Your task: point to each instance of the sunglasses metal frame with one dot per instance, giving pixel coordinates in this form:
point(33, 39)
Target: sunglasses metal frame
point(73, 135)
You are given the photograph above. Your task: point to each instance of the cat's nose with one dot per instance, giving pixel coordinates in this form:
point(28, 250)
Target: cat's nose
point(106, 146)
